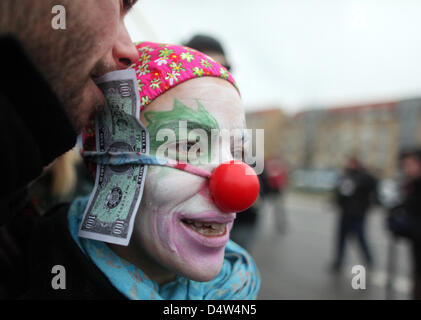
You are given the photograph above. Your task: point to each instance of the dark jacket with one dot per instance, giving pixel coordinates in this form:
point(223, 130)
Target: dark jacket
point(34, 129)
point(48, 243)
point(413, 207)
point(405, 219)
point(355, 192)
point(413, 199)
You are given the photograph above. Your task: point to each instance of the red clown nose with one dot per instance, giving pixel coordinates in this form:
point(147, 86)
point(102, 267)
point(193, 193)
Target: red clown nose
point(234, 186)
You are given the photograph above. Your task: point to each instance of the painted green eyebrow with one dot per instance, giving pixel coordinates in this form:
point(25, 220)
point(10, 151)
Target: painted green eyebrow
point(195, 119)
point(180, 112)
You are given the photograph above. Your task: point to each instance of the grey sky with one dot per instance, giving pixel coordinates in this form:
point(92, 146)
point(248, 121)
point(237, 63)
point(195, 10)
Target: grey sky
point(301, 53)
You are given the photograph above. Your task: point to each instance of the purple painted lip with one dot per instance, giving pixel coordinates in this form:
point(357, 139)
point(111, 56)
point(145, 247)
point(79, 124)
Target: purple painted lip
point(209, 216)
point(207, 241)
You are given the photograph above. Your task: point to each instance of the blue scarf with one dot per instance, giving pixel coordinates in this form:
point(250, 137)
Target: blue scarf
point(238, 278)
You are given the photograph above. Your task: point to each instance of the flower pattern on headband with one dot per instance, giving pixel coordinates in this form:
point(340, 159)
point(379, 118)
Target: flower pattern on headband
point(163, 66)
point(187, 56)
point(198, 71)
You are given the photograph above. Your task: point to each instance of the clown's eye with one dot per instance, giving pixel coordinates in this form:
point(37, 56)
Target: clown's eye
point(190, 144)
point(239, 146)
point(189, 151)
point(184, 146)
point(238, 153)
point(237, 150)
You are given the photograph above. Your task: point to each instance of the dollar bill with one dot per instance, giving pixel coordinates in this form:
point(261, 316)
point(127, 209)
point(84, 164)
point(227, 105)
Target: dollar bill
point(115, 199)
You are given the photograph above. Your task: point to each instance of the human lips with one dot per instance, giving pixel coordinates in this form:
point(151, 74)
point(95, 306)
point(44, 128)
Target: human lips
point(207, 229)
point(210, 229)
point(210, 216)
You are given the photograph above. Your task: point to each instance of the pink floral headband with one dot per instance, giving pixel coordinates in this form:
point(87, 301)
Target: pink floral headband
point(164, 66)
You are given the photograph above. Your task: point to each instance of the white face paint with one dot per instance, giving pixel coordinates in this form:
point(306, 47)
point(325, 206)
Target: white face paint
point(178, 225)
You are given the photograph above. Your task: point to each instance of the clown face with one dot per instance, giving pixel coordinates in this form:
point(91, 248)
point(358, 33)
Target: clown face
point(178, 225)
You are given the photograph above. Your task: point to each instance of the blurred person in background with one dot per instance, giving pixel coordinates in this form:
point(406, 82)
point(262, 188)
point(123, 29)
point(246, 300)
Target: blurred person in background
point(243, 231)
point(354, 194)
point(211, 47)
point(56, 184)
point(65, 179)
point(274, 181)
point(405, 219)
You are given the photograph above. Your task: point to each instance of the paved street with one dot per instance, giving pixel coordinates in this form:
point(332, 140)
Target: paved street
point(295, 265)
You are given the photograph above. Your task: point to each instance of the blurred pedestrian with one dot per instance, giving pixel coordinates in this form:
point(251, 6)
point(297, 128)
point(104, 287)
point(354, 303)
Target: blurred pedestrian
point(405, 219)
point(273, 183)
point(354, 194)
point(65, 179)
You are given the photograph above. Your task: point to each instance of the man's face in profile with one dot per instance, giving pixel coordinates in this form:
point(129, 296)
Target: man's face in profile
point(411, 167)
point(94, 42)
